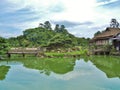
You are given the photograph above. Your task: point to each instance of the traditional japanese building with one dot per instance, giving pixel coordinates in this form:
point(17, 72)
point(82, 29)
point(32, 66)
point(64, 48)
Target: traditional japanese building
point(105, 41)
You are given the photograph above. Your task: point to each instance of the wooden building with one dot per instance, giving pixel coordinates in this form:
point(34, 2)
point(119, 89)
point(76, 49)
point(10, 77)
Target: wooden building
point(105, 41)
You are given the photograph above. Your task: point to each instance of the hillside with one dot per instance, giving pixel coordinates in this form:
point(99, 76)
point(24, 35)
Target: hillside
point(44, 36)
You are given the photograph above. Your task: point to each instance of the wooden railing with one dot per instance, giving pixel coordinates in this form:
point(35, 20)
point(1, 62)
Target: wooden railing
point(24, 51)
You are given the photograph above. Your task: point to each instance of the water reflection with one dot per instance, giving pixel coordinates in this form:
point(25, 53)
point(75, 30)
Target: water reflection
point(46, 66)
point(3, 71)
point(110, 65)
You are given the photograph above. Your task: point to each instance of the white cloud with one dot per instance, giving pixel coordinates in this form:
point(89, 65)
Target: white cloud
point(76, 10)
point(72, 75)
point(72, 9)
point(60, 10)
point(80, 69)
point(106, 2)
point(37, 6)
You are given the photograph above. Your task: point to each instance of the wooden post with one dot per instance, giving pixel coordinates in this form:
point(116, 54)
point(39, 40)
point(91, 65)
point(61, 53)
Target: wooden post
point(23, 54)
point(9, 55)
point(36, 54)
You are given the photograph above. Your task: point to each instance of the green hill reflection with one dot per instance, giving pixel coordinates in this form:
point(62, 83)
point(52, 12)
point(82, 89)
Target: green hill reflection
point(56, 65)
point(3, 71)
point(110, 65)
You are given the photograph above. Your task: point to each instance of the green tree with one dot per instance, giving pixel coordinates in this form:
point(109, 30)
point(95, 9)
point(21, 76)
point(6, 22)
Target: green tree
point(62, 28)
point(97, 33)
point(3, 45)
point(38, 36)
point(83, 41)
point(47, 25)
point(60, 41)
point(57, 28)
point(13, 42)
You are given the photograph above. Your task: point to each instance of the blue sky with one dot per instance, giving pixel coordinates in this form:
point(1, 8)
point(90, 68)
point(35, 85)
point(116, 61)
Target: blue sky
point(81, 17)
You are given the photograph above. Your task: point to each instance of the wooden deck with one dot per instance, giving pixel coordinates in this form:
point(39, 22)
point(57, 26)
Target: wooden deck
point(101, 52)
point(116, 53)
point(24, 51)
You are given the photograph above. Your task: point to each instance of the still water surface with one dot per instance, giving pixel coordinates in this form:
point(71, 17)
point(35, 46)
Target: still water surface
point(91, 73)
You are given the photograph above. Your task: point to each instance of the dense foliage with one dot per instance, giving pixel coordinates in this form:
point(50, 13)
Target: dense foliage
point(45, 36)
point(98, 32)
point(3, 45)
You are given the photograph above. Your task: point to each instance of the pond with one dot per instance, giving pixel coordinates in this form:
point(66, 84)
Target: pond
point(85, 73)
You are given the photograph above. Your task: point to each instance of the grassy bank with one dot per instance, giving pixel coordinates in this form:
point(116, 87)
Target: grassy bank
point(73, 52)
point(67, 54)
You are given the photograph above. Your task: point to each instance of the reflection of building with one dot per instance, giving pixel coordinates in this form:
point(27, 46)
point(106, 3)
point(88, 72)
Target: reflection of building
point(109, 65)
point(106, 39)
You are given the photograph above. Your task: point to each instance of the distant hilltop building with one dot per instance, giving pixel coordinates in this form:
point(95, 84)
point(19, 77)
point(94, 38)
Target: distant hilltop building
point(106, 41)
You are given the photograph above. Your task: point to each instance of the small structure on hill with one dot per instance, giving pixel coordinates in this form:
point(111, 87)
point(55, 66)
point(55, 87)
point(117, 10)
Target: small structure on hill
point(106, 41)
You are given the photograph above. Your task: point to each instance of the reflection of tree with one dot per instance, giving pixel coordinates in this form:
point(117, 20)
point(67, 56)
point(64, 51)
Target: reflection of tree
point(109, 65)
point(86, 58)
point(3, 71)
point(56, 65)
